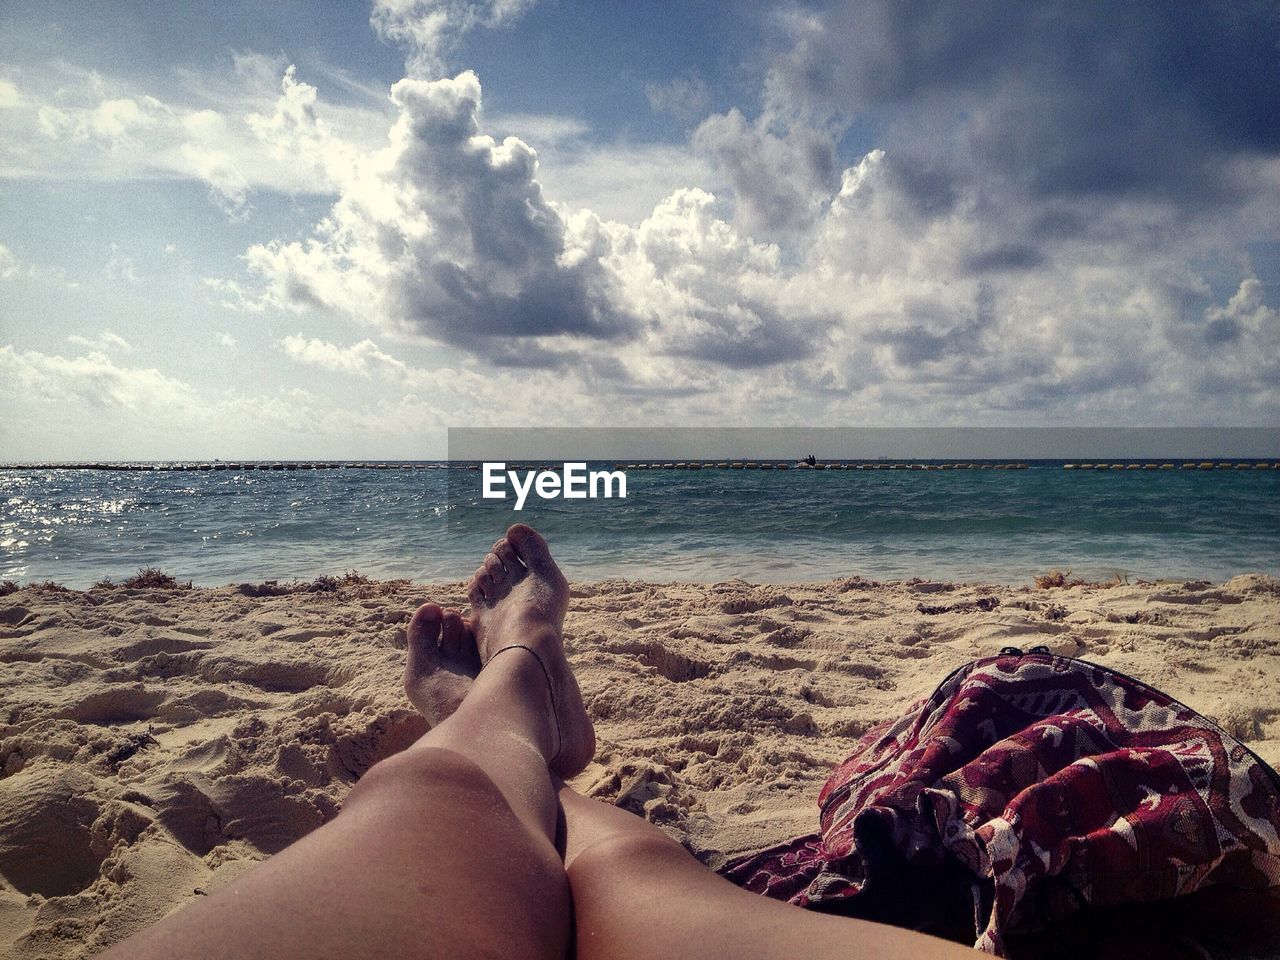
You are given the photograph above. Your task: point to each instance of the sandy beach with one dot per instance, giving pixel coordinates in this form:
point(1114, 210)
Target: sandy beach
point(155, 743)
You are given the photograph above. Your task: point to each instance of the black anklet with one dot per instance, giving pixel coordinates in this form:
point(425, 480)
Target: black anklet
point(551, 690)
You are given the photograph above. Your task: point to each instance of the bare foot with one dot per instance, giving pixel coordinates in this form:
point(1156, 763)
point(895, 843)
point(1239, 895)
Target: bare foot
point(443, 661)
point(519, 596)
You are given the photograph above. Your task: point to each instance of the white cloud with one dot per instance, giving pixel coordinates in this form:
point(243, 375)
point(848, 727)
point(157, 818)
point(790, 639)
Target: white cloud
point(94, 379)
point(120, 265)
point(104, 341)
point(620, 181)
point(447, 233)
point(920, 283)
point(65, 407)
point(685, 98)
point(902, 292)
point(228, 341)
point(363, 359)
point(428, 29)
point(236, 133)
point(781, 174)
point(9, 95)
point(232, 296)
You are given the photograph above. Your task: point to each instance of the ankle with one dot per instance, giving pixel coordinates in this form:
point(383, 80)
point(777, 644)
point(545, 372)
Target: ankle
point(522, 668)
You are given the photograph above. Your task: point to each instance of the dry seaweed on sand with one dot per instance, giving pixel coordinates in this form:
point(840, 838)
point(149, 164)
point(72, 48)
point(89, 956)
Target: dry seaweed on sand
point(156, 579)
point(1055, 579)
point(351, 583)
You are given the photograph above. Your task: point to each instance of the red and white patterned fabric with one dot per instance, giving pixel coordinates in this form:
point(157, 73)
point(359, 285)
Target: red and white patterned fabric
point(1054, 784)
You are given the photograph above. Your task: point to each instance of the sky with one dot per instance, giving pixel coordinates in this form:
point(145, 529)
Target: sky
point(336, 229)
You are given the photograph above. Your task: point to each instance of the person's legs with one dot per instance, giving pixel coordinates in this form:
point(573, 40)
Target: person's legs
point(447, 849)
point(638, 894)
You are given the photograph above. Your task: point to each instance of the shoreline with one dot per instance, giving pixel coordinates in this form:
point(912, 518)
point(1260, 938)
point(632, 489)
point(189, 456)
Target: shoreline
point(157, 742)
point(332, 582)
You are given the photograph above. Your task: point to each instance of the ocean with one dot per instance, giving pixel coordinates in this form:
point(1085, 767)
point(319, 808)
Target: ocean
point(1005, 526)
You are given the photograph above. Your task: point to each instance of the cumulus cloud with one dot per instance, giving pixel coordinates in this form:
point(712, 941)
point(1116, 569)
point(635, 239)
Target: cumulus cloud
point(1243, 336)
point(363, 359)
point(781, 174)
point(8, 263)
point(1245, 314)
point(428, 29)
point(448, 230)
point(447, 234)
point(912, 284)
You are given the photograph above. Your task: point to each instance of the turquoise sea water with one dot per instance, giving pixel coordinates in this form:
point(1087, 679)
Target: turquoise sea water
point(78, 526)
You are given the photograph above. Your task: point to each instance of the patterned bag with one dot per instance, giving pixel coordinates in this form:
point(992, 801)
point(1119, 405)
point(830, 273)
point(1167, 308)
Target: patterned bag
point(1027, 788)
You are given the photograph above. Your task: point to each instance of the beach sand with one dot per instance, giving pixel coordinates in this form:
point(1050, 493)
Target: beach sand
point(154, 744)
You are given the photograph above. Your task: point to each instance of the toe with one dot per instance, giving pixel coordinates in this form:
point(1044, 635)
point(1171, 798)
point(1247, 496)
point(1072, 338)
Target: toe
point(468, 647)
point(495, 567)
point(422, 638)
point(507, 554)
point(481, 587)
point(530, 547)
point(452, 634)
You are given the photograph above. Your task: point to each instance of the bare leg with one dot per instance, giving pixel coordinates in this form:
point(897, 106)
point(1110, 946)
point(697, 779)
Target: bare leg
point(639, 894)
point(447, 849)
